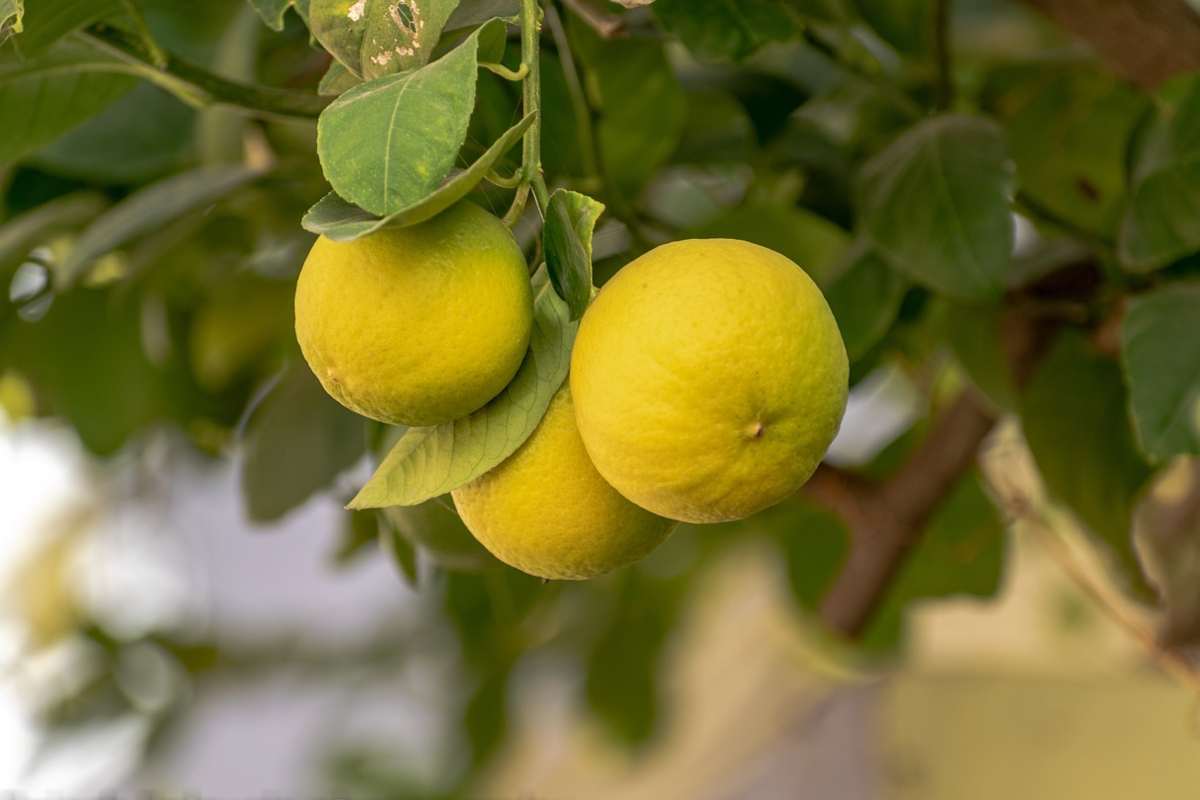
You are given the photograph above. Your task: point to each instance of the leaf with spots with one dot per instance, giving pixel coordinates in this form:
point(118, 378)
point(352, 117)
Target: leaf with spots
point(379, 37)
point(428, 462)
point(388, 143)
point(336, 219)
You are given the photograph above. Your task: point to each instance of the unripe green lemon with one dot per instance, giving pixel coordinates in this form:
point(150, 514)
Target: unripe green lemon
point(417, 325)
point(709, 378)
point(546, 511)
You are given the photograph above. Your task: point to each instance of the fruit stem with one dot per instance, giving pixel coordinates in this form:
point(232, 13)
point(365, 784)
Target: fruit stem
point(531, 97)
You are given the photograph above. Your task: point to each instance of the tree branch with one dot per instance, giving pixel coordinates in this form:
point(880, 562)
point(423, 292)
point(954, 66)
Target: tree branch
point(888, 518)
point(1145, 41)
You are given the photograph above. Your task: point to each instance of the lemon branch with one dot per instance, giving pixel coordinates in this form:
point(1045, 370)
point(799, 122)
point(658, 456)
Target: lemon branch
point(197, 86)
point(531, 96)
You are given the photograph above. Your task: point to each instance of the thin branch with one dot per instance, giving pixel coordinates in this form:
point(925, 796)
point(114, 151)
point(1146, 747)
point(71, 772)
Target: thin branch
point(200, 87)
point(605, 25)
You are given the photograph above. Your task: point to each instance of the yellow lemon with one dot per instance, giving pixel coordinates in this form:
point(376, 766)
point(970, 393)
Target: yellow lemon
point(709, 378)
point(417, 325)
point(546, 511)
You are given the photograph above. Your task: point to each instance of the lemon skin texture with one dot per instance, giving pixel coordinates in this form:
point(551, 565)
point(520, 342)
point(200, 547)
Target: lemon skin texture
point(546, 511)
point(419, 325)
point(709, 378)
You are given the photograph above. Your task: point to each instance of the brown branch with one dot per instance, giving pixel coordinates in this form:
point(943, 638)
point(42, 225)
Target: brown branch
point(888, 518)
point(1145, 41)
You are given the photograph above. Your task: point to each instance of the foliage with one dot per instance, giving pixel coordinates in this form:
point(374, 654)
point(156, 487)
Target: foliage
point(158, 158)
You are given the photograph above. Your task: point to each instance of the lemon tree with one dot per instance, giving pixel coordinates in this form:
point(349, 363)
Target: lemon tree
point(525, 283)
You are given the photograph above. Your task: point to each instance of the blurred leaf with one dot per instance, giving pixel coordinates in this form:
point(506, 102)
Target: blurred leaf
point(387, 144)
point(20, 235)
point(296, 443)
point(56, 92)
point(718, 129)
point(335, 218)
point(360, 531)
point(142, 136)
point(151, 207)
point(402, 552)
point(567, 236)
point(975, 334)
point(485, 718)
point(961, 553)
point(47, 21)
point(337, 79)
point(470, 13)
point(221, 131)
point(272, 11)
point(642, 108)
point(906, 25)
point(690, 197)
point(623, 688)
point(1068, 128)
point(935, 204)
point(865, 299)
point(429, 462)
point(11, 14)
point(436, 529)
point(814, 243)
point(814, 545)
point(1159, 225)
point(379, 37)
point(1160, 353)
point(1076, 420)
point(86, 362)
point(726, 29)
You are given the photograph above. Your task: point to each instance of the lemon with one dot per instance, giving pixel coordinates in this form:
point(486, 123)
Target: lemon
point(418, 325)
point(547, 512)
point(709, 378)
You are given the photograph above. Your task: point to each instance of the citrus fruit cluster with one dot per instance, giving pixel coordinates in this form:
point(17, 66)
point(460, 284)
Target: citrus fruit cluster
point(707, 380)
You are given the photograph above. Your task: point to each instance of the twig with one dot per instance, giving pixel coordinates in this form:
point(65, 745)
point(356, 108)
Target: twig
point(200, 87)
point(605, 25)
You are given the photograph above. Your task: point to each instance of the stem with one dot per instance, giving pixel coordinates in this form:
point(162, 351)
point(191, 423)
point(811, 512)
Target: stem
point(505, 72)
point(200, 87)
point(531, 98)
point(941, 53)
point(157, 55)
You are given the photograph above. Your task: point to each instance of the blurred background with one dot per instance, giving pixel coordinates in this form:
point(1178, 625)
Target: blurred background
point(186, 609)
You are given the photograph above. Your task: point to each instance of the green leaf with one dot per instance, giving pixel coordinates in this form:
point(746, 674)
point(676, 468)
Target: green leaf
point(1068, 128)
point(150, 208)
point(11, 14)
point(813, 242)
point(429, 462)
point(142, 136)
point(272, 11)
point(567, 237)
point(726, 29)
point(297, 442)
point(906, 25)
point(402, 552)
point(1160, 352)
point(961, 553)
point(642, 106)
point(20, 235)
point(387, 144)
point(865, 299)
point(976, 335)
point(1160, 223)
point(360, 530)
point(335, 218)
point(935, 205)
point(379, 37)
point(55, 93)
point(435, 528)
point(337, 79)
point(47, 21)
point(1076, 422)
point(470, 13)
